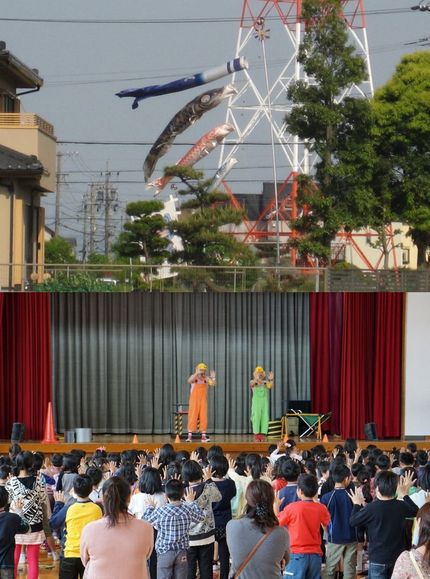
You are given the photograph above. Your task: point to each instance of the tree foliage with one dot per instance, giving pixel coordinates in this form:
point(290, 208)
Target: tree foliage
point(59, 250)
point(402, 143)
point(338, 130)
point(143, 235)
point(204, 212)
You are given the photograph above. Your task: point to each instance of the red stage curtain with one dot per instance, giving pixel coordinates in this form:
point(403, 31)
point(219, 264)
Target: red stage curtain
point(387, 379)
point(356, 361)
point(25, 361)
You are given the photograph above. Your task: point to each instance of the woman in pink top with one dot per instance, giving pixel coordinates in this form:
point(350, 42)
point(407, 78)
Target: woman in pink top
point(118, 545)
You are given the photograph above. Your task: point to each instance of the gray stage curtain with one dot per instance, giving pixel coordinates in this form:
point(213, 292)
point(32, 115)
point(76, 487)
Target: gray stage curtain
point(120, 361)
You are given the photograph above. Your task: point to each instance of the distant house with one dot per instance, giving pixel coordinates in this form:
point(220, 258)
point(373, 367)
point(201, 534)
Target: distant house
point(27, 172)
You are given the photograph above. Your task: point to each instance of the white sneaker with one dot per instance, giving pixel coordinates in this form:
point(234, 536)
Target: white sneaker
point(205, 438)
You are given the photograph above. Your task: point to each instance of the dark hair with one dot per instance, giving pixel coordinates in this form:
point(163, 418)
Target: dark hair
point(128, 456)
point(340, 473)
point(128, 472)
point(323, 467)
point(409, 470)
point(425, 478)
point(70, 462)
point(95, 475)
point(116, 494)
point(310, 466)
point(5, 471)
point(259, 498)
point(364, 477)
point(99, 453)
point(290, 470)
point(114, 457)
point(173, 469)
point(406, 458)
point(386, 482)
point(79, 453)
point(308, 484)
point(215, 450)
point(254, 463)
point(202, 453)
point(174, 490)
point(424, 534)
point(383, 462)
point(191, 471)
point(167, 454)
point(82, 485)
point(350, 446)
point(290, 444)
point(4, 497)
point(57, 460)
point(272, 448)
point(150, 481)
point(39, 457)
point(412, 447)
point(240, 464)
point(421, 457)
point(219, 465)
point(182, 456)
point(23, 461)
point(356, 468)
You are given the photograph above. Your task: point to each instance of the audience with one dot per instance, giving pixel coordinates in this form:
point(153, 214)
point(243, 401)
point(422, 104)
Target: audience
point(206, 508)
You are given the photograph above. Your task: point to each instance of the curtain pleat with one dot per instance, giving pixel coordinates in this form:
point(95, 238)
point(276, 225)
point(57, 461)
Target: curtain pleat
point(121, 361)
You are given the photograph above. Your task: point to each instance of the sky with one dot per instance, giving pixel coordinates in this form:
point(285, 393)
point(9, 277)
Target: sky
point(83, 65)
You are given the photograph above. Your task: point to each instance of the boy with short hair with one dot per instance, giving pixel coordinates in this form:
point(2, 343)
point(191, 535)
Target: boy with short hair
point(173, 522)
point(290, 471)
point(304, 520)
point(11, 524)
point(384, 520)
point(341, 537)
point(79, 514)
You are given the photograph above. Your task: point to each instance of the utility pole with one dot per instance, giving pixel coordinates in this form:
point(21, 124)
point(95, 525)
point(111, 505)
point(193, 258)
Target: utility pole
point(58, 195)
point(107, 202)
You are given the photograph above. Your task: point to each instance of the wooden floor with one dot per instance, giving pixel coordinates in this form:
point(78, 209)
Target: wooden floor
point(230, 443)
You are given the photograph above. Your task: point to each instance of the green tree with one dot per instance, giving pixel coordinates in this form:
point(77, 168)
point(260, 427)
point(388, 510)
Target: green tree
point(401, 140)
point(338, 131)
point(142, 235)
point(203, 214)
point(59, 250)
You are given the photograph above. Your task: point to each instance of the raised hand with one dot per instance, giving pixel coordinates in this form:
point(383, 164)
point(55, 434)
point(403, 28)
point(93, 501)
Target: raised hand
point(405, 483)
point(189, 495)
point(231, 462)
point(207, 473)
point(356, 496)
point(270, 376)
point(155, 462)
point(59, 496)
point(139, 469)
point(194, 456)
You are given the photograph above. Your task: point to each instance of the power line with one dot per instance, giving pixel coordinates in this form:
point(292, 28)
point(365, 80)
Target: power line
point(150, 143)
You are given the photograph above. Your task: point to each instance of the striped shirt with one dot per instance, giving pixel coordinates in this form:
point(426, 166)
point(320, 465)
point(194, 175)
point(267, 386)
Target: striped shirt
point(173, 522)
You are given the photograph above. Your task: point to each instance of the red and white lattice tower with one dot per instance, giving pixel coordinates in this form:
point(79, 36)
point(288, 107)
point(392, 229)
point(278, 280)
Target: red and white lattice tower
point(269, 36)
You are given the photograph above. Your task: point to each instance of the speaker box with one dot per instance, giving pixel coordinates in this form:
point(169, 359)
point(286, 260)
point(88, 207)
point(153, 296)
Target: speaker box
point(18, 430)
point(370, 431)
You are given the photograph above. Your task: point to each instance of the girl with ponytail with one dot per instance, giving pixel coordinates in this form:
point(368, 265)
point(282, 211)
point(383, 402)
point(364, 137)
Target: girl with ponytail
point(118, 545)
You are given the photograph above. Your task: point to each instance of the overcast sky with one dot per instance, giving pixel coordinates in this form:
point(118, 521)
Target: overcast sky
point(83, 65)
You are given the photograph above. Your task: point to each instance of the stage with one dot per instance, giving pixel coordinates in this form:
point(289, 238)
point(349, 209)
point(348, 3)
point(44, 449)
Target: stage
point(232, 444)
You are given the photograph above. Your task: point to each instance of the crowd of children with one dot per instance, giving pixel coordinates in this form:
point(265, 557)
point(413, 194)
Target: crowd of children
point(183, 515)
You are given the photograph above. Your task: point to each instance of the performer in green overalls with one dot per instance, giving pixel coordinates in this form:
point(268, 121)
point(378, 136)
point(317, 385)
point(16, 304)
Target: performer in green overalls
point(260, 402)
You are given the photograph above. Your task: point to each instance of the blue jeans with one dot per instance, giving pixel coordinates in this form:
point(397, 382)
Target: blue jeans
point(304, 566)
point(380, 571)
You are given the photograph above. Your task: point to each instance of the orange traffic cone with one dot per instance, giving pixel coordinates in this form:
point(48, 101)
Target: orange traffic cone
point(135, 440)
point(49, 433)
point(325, 438)
point(177, 439)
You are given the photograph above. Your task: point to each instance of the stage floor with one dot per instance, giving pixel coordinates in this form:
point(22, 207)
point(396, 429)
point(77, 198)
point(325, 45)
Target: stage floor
point(233, 443)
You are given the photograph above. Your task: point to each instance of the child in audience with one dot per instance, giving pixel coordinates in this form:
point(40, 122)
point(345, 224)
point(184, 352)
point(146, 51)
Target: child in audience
point(82, 512)
point(290, 470)
point(173, 522)
point(202, 534)
point(222, 510)
point(416, 563)
point(341, 537)
point(10, 525)
point(303, 520)
point(384, 520)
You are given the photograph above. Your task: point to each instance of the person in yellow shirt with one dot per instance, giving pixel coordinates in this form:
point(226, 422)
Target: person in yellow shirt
point(82, 512)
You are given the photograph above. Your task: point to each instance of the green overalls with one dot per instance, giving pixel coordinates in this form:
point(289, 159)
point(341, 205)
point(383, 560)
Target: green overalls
point(260, 409)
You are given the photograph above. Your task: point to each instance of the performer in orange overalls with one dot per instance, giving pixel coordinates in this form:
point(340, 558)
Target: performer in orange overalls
point(198, 402)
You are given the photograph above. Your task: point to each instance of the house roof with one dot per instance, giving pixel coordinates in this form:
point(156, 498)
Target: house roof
point(12, 163)
point(22, 75)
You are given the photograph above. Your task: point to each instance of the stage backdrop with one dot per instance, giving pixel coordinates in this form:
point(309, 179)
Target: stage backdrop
point(120, 361)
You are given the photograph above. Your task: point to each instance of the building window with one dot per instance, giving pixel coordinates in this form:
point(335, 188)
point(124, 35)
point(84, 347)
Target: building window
point(7, 104)
point(405, 256)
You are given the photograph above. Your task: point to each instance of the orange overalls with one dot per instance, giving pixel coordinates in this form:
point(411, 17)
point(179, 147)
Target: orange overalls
point(198, 407)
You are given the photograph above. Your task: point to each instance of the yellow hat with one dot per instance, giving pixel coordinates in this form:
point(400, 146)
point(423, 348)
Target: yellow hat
point(259, 369)
point(202, 366)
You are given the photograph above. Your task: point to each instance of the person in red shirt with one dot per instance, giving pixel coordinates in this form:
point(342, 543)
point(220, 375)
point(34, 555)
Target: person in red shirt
point(303, 520)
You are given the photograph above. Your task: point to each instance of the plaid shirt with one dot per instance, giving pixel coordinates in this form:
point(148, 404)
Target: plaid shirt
point(173, 522)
